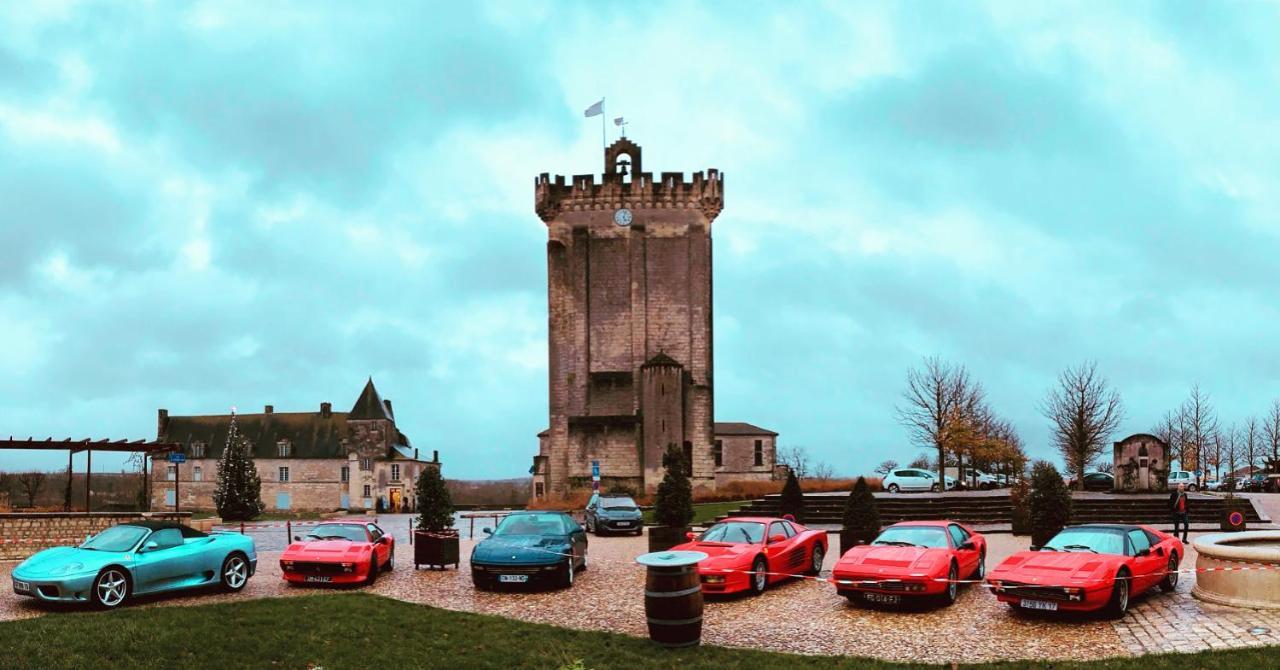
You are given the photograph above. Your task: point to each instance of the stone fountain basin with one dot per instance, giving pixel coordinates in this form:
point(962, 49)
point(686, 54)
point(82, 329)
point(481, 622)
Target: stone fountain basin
point(1239, 569)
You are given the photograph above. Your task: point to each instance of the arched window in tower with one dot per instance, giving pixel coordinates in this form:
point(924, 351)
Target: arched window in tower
point(622, 166)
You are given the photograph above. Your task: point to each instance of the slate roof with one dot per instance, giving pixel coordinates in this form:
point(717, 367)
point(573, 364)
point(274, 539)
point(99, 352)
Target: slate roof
point(310, 434)
point(369, 405)
point(740, 428)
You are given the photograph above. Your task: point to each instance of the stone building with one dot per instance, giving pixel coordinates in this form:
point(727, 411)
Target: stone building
point(314, 461)
point(630, 341)
point(1140, 463)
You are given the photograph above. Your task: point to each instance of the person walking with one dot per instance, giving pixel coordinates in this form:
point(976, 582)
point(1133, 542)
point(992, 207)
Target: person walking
point(1180, 508)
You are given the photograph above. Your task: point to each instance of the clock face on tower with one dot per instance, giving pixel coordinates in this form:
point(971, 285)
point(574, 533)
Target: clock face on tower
point(622, 217)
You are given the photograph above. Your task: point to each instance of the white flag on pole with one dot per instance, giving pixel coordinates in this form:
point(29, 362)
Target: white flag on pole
point(596, 109)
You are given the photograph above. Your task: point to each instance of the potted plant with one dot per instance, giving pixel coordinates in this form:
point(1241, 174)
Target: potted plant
point(673, 506)
point(435, 540)
point(861, 517)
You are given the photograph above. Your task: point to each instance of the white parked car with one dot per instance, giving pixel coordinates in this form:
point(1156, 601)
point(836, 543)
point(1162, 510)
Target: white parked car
point(1182, 477)
point(976, 479)
point(913, 479)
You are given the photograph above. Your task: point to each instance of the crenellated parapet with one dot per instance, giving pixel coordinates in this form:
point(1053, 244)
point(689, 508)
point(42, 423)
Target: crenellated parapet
point(635, 190)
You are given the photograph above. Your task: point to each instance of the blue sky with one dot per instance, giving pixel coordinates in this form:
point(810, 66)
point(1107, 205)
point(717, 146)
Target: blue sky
point(214, 204)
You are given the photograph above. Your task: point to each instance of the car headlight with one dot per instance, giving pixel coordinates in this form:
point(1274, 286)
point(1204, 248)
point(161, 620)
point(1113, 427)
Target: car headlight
point(69, 568)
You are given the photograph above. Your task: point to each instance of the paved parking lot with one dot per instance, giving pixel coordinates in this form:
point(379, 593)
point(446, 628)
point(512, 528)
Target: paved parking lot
point(801, 616)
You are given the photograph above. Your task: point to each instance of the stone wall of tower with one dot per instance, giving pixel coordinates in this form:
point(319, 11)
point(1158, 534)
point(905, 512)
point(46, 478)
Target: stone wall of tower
point(662, 397)
point(617, 296)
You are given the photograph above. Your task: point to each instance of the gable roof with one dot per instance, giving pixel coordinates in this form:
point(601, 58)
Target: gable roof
point(661, 358)
point(740, 428)
point(310, 434)
point(369, 405)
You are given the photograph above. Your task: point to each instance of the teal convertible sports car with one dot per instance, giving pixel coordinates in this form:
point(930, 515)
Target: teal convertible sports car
point(137, 558)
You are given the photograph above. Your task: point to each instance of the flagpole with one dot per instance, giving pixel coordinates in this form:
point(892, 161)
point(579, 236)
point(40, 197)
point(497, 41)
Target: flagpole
point(604, 144)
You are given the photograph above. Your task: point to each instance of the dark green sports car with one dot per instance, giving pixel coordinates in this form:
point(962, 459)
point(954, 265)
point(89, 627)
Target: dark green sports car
point(530, 547)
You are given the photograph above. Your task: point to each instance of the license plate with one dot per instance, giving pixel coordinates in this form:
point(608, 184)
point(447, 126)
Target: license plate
point(21, 586)
point(1039, 605)
point(513, 579)
point(883, 598)
point(314, 578)
point(622, 524)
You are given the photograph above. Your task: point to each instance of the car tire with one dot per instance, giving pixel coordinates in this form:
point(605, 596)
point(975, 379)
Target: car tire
point(952, 591)
point(934, 488)
point(1170, 582)
point(893, 488)
point(111, 588)
point(1119, 602)
point(759, 579)
point(815, 560)
point(235, 572)
point(640, 531)
point(373, 570)
point(980, 571)
point(853, 598)
point(583, 567)
point(391, 561)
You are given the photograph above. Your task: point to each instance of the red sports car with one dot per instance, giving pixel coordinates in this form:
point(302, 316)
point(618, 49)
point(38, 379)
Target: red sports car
point(1091, 567)
point(913, 559)
point(749, 553)
point(339, 552)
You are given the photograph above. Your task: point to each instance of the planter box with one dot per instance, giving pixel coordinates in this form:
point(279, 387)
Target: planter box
point(662, 538)
point(435, 549)
point(1233, 517)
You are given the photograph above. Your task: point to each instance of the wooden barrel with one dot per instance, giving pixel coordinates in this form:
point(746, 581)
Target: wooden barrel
point(673, 601)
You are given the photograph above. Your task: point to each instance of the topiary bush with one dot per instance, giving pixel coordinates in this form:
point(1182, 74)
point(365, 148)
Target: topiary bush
point(861, 516)
point(435, 506)
point(1020, 499)
point(792, 501)
point(1049, 503)
point(673, 506)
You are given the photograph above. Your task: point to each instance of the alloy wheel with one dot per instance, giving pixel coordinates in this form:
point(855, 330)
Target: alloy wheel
point(817, 560)
point(761, 576)
point(953, 583)
point(112, 588)
point(235, 573)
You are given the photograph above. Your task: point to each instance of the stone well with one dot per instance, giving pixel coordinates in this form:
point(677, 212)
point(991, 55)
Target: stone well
point(1239, 569)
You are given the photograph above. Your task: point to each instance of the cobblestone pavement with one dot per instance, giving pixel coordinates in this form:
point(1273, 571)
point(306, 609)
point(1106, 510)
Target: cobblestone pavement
point(799, 616)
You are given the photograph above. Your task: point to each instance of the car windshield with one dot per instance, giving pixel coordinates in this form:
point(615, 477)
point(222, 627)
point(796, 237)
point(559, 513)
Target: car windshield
point(116, 538)
point(751, 532)
point(618, 504)
point(338, 531)
point(1100, 540)
point(918, 536)
point(531, 524)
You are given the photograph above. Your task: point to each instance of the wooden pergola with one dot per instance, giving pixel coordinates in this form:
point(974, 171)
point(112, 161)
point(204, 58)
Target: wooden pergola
point(88, 445)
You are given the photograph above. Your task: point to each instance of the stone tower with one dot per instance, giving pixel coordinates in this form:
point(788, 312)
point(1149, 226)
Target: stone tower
point(629, 297)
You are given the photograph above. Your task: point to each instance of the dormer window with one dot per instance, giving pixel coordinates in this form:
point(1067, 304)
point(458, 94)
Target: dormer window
point(284, 449)
point(197, 449)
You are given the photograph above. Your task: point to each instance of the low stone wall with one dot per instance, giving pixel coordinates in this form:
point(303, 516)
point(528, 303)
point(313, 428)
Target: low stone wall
point(22, 535)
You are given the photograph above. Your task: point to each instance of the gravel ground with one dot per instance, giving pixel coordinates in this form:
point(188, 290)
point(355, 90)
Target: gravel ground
point(799, 616)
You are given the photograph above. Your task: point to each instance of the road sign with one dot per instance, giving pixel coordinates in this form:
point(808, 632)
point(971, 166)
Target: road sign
point(177, 457)
point(595, 475)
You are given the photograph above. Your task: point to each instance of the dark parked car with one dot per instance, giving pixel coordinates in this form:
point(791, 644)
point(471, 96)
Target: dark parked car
point(530, 547)
point(613, 514)
point(1096, 481)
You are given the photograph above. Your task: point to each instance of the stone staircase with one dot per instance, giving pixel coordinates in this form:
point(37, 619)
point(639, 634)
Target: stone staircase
point(992, 508)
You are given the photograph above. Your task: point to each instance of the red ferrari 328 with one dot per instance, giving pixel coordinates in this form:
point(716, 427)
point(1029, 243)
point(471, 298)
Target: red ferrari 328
point(912, 559)
point(1091, 567)
point(339, 552)
point(750, 553)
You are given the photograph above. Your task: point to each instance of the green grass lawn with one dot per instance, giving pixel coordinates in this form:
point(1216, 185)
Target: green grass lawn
point(705, 513)
point(359, 630)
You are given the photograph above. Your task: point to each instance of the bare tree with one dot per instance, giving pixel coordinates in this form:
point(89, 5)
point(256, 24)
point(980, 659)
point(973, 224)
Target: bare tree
point(1271, 429)
point(937, 412)
point(31, 483)
point(823, 472)
point(796, 458)
point(921, 462)
point(1084, 413)
point(1230, 448)
point(1199, 423)
point(1251, 442)
point(886, 467)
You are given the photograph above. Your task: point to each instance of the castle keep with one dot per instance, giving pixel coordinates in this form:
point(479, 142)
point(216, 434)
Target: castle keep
point(630, 341)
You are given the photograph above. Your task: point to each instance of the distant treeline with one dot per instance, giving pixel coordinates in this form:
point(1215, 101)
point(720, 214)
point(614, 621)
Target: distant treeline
point(490, 493)
point(112, 491)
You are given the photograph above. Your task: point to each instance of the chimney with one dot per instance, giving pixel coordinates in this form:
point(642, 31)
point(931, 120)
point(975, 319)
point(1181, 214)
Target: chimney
point(326, 409)
point(390, 412)
point(162, 423)
point(268, 409)
point(435, 455)
point(415, 453)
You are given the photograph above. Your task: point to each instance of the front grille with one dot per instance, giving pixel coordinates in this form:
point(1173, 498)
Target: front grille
point(1035, 591)
point(308, 568)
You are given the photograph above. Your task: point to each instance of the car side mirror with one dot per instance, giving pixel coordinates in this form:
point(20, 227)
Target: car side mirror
point(1159, 551)
point(1144, 552)
point(967, 546)
point(297, 538)
point(1035, 547)
point(151, 545)
point(777, 538)
point(690, 535)
point(488, 531)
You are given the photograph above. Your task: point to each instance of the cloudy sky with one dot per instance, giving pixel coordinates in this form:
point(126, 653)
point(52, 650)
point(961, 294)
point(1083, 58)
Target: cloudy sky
point(214, 204)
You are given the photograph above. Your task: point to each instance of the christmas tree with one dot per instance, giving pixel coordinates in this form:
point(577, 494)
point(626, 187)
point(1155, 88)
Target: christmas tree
point(435, 507)
point(238, 495)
